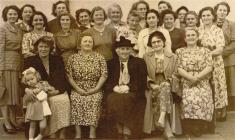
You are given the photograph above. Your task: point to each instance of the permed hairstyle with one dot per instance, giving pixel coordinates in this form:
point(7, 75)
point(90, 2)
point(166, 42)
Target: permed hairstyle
point(222, 3)
point(7, 8)
point(55, 5)
point(158, 35)
point(24, 6)
point(79, 11)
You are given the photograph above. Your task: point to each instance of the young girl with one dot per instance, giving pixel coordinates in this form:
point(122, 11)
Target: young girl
point(36, 109)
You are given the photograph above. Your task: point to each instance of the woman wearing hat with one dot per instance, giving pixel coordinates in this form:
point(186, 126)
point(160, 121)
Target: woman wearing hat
point(125, 88)
point(51, 69)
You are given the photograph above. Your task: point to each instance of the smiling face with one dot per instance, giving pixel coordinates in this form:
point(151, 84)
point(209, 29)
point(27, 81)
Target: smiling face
point(61, 9)
point(27, 13)
point(162, 7)
point(38, 22)
point(169, 21)
point(191, 20)
point(191, 37)
point(65, 22)
point(141, 9)
point(133, 22)
point(152, 20)
point(157, 44)
point(115, 14)
point(84, 18)
point(43, 49)
point(12, 16)
point(98, 17)
point(87, 43)
point(222, 12)
point(207, 17)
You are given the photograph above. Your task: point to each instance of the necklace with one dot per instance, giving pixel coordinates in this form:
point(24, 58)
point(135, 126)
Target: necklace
point(100, 29)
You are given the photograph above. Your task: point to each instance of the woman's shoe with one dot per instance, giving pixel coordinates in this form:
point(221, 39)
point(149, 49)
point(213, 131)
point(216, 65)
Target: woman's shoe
point(8, 131)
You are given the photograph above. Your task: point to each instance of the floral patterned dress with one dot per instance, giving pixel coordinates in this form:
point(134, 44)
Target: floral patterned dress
point(212, 39)
point(86, 71)
point(197, 101)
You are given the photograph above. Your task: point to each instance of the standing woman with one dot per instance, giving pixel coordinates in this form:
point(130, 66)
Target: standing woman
point(38, 21)
point(104, 37)
point(181, 12)
point(115, 16)
point(153, 20)
point(83, 19)
point(27, 12)
point(194, 63)
point(141, 7)
point(191, 19)
point(222, 10)
point(10, 64)
point(212, 37)
point(164, 5)
point(87, 72)
point(67, 39)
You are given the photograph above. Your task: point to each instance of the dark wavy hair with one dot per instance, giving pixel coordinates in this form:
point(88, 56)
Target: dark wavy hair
point(45, 39)
point(55, 5)
point(165, 2)
point(156, 13)
point(181, 8)
point(24, 6)
point(209, 9)
point(195, 15)
point(222, 3)
point(79, 11)
point(98, 8)
point(7, 8)
point(156, 34)
point(41, 14)
point(168, 11)
point(135, 5)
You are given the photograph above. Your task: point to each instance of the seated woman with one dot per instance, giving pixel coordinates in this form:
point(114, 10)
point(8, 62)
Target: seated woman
point(87, 72)
point(160, 66)
point(194, 65)
point(51, 68)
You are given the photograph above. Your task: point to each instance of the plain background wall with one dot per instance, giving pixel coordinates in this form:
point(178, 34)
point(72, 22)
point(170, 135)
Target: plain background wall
point(46, 5)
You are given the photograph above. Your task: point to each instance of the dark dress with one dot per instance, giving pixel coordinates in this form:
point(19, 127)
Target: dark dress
point(59, 104)
point(127, 108)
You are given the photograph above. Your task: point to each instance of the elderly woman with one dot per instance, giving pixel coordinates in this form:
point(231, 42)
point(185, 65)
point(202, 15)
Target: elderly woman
point(160, 66)
point(87, 72)
point(115, 16)
point(194, 64)
point(27, 12)
point(153, 20)
point(141, 7)
point(58, 8)
point(191, 19)
point(212, 37)
point(222, 10)
point(38, 21)
point(66, 40)
point(83, 19)
point(51, 68)
point(104, 37)
point(10, 65)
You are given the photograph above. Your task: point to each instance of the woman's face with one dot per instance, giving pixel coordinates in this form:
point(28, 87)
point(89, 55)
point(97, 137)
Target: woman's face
point(65, 22)
point(169, 21)
point(191, 37)
point(162, 7)
point(181, 15)
point(87, 43)
point(27, 13)
point(43, 49)
point(38, 22)
point(61, 9)
point(84, 18)
point(207, 17)
point(141, 9)
point(152, 20)
point(133, 22)
point(157, 43)
point(98, 17)
point(115, 14)
point(12, 16)
point(191, 20)
point(222, 12)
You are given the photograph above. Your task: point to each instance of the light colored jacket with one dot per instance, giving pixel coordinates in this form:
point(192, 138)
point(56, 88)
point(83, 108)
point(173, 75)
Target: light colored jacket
point(229, 48)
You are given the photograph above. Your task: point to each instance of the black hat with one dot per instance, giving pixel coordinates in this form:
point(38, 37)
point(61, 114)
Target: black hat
point(123, 42)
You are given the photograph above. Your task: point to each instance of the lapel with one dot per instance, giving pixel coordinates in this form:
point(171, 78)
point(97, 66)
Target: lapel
point(10, 28)
point(225, 26)
point(152, 60)
point(42, 68)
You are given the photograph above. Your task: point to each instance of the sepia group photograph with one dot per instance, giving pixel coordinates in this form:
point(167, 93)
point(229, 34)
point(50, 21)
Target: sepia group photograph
point(117, 69)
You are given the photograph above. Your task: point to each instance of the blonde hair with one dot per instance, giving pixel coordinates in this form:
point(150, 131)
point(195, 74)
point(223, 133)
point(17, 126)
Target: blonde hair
point(27, 72)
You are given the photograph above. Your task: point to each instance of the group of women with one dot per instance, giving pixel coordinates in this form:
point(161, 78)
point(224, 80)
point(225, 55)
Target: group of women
point(189, 59)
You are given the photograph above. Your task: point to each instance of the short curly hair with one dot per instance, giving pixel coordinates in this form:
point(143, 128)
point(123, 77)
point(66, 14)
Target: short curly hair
point(156, 34)
point(24, 6)
point(7, 8)
point(209, 9)
point(55, 5)
point(41, 14)
point(45, 39)
point(79, 11)
point(222, 3)
point(98, 8)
